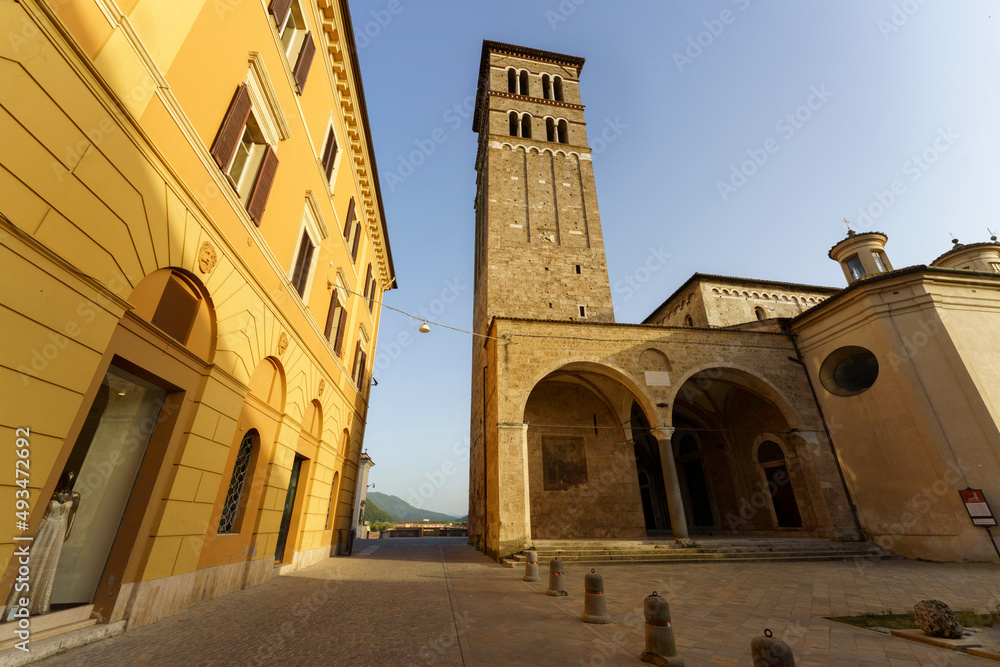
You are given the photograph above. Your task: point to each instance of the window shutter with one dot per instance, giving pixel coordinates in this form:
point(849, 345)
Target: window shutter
point(262, 186)
point(371, 298)
point(354, 249)
point(231, 130)
point(349, 220)
point(368, 281)
point(361, 371)
point(301, 70)
point(338, 347)
point(329, 154)
point(279, 10)
point(357, 359)
point(328, 329)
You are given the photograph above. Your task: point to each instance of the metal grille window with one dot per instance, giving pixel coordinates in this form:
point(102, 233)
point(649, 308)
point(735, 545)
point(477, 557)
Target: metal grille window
point(241, 470)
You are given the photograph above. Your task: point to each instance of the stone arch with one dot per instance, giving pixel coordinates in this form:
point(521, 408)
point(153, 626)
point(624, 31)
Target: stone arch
point(268, 383)
point(750, 380)
point(313, 421)
point(177, 301)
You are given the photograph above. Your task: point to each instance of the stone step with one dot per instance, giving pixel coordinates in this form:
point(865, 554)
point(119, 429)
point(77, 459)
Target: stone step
point(64, 640)
point(544, 556)
point(709, 558)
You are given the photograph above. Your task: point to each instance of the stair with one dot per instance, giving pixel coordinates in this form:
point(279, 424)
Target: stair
point(700, 550)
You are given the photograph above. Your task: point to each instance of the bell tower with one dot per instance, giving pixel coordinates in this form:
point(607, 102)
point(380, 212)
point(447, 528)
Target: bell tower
point(539, 248)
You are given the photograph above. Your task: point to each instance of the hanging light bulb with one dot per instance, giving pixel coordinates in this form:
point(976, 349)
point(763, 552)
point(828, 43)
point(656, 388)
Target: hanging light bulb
point(424, 328)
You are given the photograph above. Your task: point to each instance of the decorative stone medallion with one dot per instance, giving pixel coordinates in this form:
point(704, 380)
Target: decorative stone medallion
point(322, 386)
point(207, 257)
point(282, 344)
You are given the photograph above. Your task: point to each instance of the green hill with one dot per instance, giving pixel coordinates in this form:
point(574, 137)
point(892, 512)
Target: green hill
point(400, 510)
point(375, 513)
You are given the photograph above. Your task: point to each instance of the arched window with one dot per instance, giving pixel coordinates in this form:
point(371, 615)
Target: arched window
point(688, 322)
point(550, 130)
point(514, 124)
point(563, 132)
point(333, 494)
point(558, 88)
point(512, 80)
point(547, 86)
point(524, 83)
point(526, 126)
point(759, 312)
point(232, 509)
point(770, 452)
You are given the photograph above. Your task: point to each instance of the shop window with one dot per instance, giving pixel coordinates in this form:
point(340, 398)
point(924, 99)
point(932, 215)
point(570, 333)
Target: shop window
point(235, 503)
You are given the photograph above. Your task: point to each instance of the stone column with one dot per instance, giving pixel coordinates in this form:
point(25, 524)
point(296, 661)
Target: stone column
point(514, 489)
point(678, 524)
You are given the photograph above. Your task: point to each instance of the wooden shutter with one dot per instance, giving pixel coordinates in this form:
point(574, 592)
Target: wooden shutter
point(328, 329)
point(231, 130)
point(329, 154)
point(357, 358)
point(301, 70)
point(371, 298)
point(357, 241)
point(262, 186)
point(368, 280)
point(361, 371)
point(338, 347)
point(349, 220)
point(279, 10)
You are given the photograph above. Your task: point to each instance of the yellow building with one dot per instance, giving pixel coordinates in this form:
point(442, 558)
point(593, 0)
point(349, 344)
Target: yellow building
point(194, 252)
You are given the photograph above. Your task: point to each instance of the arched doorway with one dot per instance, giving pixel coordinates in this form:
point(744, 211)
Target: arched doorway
point(656, 515)
point(725, 420)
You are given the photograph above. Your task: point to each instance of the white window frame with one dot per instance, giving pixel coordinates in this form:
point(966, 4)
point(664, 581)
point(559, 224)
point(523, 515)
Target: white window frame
point(315, 227)
point(297, 37)
point(266, 108)
point(254, 139)
point(331, 131)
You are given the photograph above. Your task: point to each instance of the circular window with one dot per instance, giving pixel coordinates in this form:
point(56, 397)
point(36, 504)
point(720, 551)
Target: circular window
point(849, 371)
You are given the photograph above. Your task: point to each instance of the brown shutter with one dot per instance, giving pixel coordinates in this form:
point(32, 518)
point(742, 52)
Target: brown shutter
point(357, 358)
point(371, 298)
point(357, 242)
point(338, 347)
point(279, 10)
point(362, 371)
point(329, 154)
point(350, 218)
point(328, 329)
point(368, 280)
point(262, 186)
point(231, 130)
point(301, 70)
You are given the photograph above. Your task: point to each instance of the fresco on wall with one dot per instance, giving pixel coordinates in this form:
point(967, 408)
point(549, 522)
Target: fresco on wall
point(564, 461)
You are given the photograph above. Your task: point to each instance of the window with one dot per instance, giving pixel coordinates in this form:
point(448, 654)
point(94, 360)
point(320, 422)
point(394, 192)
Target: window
point(245, 157)
point(547, 86)
point(336, 321)
point(759, 312)
point(333, 494)
point(583, 311)
point(579, 269)
point(360, 361)
point(855, 267)
point(514, 124)
point(297, 42)
point(522, 88)
point(512, 81)
point(303, 264)
point(330, 154)
point(688, 322)
point(995, 266)
point(369, 287)
point(557, 86)
point(880, 261)
point(178, 308)
point(352, 231)
point(550, 129)
point(849, 371)
point(232, 508)
point(563, 132)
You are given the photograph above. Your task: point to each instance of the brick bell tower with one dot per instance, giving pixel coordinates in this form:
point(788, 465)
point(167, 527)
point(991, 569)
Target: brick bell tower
point(539, 248)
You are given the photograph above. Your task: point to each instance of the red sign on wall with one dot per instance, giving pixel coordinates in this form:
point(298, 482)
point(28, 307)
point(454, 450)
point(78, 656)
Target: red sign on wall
point(979, 510)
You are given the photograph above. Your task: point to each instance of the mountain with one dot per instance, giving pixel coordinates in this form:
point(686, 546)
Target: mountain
point(375, 513)
point(400, 510)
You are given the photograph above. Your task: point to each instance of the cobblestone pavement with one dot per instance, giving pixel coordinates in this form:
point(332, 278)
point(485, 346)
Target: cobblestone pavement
point(435, 601)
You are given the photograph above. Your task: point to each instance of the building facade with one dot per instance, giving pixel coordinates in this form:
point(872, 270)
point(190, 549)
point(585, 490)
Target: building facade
point(711, 416)
point(195, 252)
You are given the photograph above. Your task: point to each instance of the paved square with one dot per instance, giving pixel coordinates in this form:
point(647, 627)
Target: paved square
point(436, 601)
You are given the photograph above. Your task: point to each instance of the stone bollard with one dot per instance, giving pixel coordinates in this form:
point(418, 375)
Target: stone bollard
point(556, 586)
point(660, 647)
point(531, 567)
point(770, 652)
point(594, 609)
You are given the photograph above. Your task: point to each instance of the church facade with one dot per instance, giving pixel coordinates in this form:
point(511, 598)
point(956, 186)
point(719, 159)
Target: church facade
point(714, 415)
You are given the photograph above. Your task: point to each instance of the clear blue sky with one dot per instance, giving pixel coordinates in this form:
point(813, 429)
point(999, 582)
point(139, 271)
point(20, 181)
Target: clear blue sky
point(887, 81)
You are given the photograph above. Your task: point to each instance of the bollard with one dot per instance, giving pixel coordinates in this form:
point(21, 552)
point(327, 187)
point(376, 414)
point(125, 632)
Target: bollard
point(531, 567)
point(594, 609)
point(770, 652)
point(660, 647)
point(556, 586)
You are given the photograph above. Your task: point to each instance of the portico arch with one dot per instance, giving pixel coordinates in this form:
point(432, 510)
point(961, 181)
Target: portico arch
point(584, 423)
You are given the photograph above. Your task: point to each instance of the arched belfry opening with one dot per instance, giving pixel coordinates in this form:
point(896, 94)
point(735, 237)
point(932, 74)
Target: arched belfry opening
point(734, 477)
